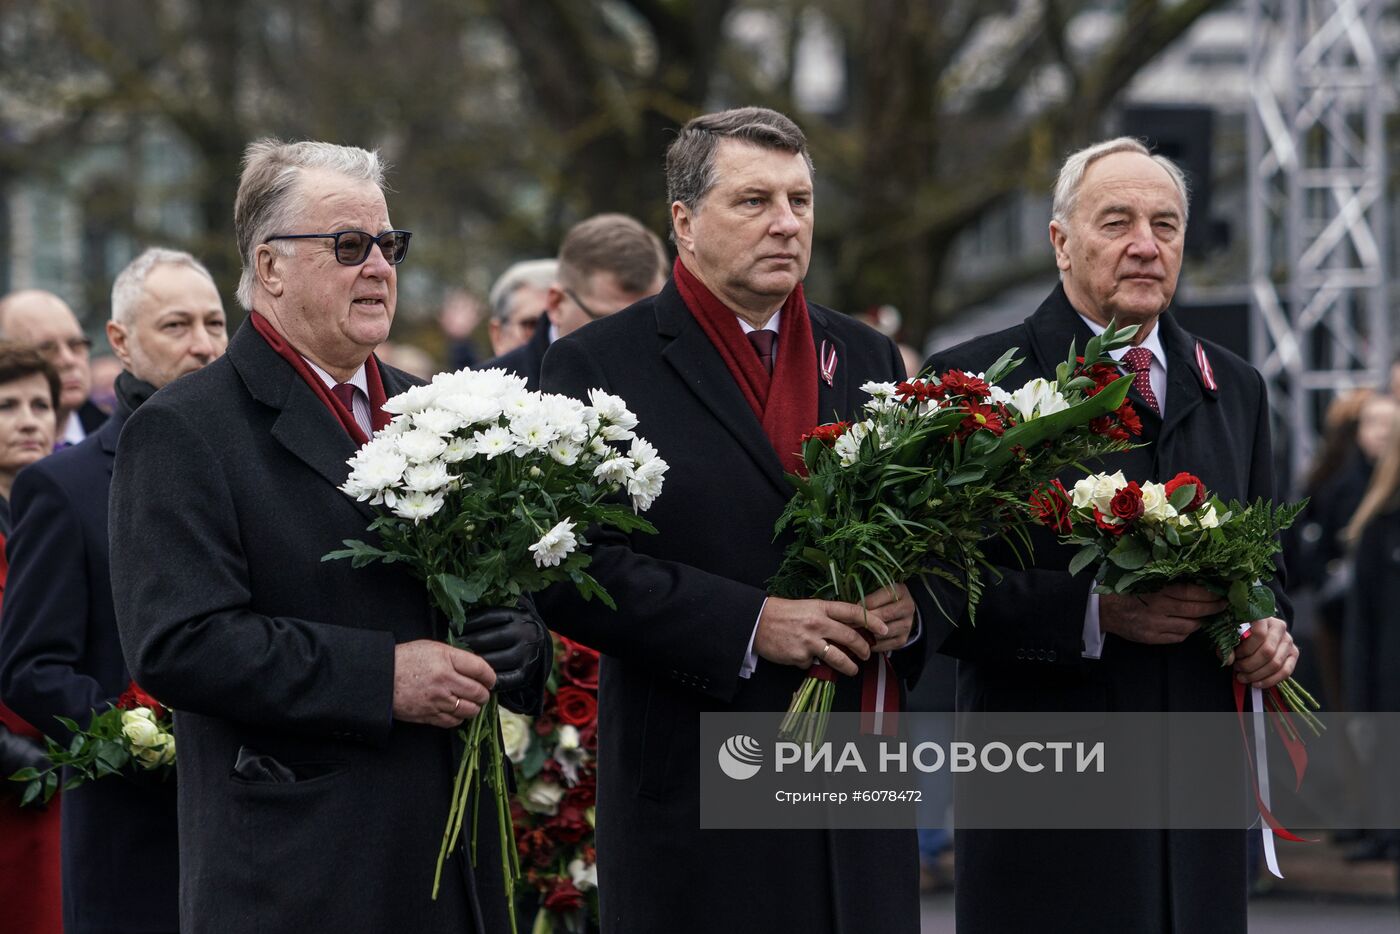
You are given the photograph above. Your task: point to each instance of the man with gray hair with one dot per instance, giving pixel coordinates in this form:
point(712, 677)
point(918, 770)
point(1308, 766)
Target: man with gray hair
point(318, 703)
point(59, 651)
point(606, 263)
point(517, 302)
point(44, 321)
point(1044, 641)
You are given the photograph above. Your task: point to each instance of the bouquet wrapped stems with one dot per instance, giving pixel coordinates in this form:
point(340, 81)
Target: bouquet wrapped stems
point(1226, 633)
point(810, 710)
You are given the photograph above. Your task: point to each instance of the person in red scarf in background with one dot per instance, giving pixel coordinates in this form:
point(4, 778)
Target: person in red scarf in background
point(726, 369)
point(29, 838)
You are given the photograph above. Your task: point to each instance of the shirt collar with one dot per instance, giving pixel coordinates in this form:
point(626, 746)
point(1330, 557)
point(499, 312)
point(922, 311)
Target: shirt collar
point(359, 380)
point(772, 324)
point(1152, 342)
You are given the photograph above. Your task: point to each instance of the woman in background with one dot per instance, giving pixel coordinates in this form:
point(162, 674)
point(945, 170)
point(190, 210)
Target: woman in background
point(29, 845)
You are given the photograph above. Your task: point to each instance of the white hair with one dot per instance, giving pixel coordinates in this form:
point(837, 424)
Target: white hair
point(129, 288)
point(267, 205)
point(532, 273)
point(1071, 175)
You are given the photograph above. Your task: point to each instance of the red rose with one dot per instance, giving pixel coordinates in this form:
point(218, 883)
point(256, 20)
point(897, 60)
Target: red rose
point(588, 737)
point(134, 697)
point(1110, 527)
point(544, 723)
point(576, 706)
point(1186, 479)
point(582, 795)
point(1051, 505)
point(1127, 503)
point(570, 825)
point(578, 664)
point(564, 897)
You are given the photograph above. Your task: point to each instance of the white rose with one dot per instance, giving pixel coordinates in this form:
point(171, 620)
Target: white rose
point(1208, 519)
point(568, 737)
point(1082, 495)
point(1105, 485)
point(543, 797)
point(139, 730)
point(1154, 502)
point(583, 875)
point(515, 734)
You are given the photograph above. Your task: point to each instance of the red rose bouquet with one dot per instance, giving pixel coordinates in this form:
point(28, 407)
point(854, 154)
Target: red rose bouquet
point(1143, 536)
point(133, 736)
point(554, 757)
point(936, 467)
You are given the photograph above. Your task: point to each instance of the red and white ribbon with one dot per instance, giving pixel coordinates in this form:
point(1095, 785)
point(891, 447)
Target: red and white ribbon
point(827, 359)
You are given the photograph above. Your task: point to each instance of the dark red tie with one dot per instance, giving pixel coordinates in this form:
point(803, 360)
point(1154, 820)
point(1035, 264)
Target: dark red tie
point(765, 344)
point(346, 394)
point(1138, 360)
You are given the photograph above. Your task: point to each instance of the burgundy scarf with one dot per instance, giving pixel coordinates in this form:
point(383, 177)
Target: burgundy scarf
point(786, 402)
point(377, 416)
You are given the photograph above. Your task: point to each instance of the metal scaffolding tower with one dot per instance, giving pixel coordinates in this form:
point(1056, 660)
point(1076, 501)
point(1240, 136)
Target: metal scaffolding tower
point(1316, 207)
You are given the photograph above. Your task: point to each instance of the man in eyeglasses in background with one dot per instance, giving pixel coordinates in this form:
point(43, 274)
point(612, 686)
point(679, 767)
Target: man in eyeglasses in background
point(44, 321)
point(517, 303)
point(317, 704)
point(606, 263)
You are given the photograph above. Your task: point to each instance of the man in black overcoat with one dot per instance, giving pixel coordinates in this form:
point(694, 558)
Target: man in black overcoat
point(1043, 642)
point(316, 706)
point(606, 262)
point(695, 630)
point(59, 652)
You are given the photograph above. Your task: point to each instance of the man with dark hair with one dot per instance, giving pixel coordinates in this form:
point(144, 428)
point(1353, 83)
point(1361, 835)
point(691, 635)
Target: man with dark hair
point(606, 263)
point(59, 651)
point(317, 703)
point(726, 368)
point(1044, 641)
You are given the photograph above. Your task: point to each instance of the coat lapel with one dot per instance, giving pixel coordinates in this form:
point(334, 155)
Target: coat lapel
point(1184, 391)
point(303, 425)
point(689, 352)
point(833, 398)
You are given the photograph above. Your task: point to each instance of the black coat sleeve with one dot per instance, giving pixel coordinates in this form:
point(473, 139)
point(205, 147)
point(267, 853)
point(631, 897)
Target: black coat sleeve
point(183, 594)
point(677, 618)
point(43, 631)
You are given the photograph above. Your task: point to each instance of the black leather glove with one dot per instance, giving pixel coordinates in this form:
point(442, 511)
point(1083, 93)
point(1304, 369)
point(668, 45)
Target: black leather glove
point(512, 640)
point(20, 752)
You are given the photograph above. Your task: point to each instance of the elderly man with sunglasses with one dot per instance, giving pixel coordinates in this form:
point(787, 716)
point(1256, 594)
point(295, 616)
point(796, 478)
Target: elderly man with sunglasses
point(316, 703)
point(606, 263)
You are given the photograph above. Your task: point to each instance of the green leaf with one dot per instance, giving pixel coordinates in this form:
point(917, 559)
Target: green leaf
point(967, 475)
point(1129, 554)
point(1261, 602)
point(1238, 595)
point(1083, 558)
point(1181, 496)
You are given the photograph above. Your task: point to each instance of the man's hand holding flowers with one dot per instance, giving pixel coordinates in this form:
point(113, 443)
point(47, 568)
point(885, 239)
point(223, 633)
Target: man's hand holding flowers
point(1160, 618)
point(439, 685)
point(799, 632)
point(1267, 656)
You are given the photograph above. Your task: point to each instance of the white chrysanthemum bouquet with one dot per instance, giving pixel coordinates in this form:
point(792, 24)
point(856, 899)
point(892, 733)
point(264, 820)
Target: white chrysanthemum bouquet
point(486, 489)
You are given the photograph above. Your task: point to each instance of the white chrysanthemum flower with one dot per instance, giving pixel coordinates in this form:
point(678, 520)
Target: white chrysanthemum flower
point(645, 481)
point(397, 426)
point(426, 478)
point(376, 466)
point(439, 421)
point(878, 390)
point(616, 469)
point(519, 403)
point(564, 451)
point(555, 545)
point(420, 446)
point(418, 506)
point(532, 432)
point(413, 400)
point(642, 451)
point(598, 447)
point(474, 409)
point(616, 420)
point(458, 450)
point(493, 441)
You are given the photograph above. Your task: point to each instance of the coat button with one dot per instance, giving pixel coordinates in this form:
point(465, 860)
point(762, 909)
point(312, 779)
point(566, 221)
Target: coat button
point(1052, 655)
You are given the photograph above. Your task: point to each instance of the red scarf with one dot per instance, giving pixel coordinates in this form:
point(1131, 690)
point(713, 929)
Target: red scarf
point(378, 417)
point(786, 402)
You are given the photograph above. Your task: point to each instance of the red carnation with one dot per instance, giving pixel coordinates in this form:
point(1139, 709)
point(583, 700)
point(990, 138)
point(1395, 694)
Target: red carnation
point(979, 417)
point(827, 434)
point(1051, 505)
point(1128, 416)
point(578, 664)
point(1187, 479)
point(1127, 503)
point(564, 897)
point(576, 706)
point(1102, 374)
point(1112, 528)
point(134, 697)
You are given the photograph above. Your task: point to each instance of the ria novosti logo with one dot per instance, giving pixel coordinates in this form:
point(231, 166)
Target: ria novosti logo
point(740, 757)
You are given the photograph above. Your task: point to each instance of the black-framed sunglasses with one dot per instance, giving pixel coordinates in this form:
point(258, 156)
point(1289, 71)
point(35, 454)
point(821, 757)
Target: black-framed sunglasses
point(595, 315)
point(352, 246)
